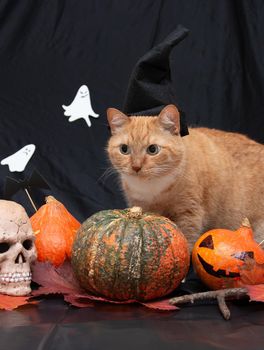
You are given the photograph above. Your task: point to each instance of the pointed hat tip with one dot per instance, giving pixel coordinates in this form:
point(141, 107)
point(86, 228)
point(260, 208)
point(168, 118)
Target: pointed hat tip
point(176, 35)
point(150, 87)
point(160, 53)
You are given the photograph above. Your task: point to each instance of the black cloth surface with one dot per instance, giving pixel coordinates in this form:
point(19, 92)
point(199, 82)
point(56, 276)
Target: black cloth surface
point(53, 325)
point(49, 49)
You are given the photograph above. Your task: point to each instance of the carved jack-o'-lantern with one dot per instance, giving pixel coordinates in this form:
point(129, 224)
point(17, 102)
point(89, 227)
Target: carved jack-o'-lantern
point(219, 254)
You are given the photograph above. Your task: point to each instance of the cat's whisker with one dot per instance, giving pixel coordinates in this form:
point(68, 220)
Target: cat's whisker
point(106, 174)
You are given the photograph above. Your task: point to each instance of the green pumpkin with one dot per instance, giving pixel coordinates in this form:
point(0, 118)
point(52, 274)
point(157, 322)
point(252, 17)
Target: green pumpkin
point(125, 254)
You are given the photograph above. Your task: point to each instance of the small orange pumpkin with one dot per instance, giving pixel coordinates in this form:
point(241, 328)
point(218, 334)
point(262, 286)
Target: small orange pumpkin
point(218, 255)
point(55, 229)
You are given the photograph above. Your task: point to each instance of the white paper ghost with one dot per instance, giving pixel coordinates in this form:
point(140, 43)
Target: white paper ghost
point(18, 161)
point(81, 106)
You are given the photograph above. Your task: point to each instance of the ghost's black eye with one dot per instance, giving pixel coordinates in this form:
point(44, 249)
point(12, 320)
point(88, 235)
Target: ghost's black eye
point(4, 246)
point(28, 244)
point(153, 149)
point(124, 149)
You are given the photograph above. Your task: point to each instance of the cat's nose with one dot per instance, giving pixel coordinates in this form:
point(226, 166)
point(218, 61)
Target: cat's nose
point(136, 168)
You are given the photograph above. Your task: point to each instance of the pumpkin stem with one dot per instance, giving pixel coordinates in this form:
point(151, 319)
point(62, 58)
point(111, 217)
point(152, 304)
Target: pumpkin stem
point(135, 213)
point(49, 199)
point(246, 223)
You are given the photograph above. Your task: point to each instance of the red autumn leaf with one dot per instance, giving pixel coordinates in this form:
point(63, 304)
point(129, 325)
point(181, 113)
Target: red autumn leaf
point(156, 305)
point(251, 272)
point(61, 280)
point(102, 299)
point(256, 292)
point(79, 302)
point(58, 280)
point(54, 280)
point(160, 305)
point(8, 302)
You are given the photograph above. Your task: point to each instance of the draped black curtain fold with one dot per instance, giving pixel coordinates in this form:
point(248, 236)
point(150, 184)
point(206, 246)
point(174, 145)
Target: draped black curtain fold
point(50, 49)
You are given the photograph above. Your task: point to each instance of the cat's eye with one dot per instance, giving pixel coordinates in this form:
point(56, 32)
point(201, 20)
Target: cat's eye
point(124, 149)
point(153, 149)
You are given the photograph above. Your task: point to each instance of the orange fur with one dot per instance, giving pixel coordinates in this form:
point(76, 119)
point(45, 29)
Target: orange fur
point(208, 179)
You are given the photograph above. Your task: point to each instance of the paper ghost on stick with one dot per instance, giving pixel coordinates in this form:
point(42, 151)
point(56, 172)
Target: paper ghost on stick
point(35, 180)
point(18, 161)
point(81, 107)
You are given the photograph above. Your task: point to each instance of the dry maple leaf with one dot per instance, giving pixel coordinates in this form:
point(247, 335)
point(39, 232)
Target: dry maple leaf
point(61, 280)
point(256, 292)
point(160, 305)
point(251, 272)
point(54, 279)
point(8, 302)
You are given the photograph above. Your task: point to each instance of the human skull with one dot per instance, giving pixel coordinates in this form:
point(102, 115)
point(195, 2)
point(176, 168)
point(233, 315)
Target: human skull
point(17, 249)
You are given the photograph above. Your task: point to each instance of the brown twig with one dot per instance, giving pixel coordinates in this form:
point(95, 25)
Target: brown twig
point(219, 295)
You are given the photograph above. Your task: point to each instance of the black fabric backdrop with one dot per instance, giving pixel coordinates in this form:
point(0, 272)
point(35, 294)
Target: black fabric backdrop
point(48, 49)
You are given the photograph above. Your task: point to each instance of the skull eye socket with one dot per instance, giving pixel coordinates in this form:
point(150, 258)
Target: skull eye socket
point(27, 244)
point(4, 246)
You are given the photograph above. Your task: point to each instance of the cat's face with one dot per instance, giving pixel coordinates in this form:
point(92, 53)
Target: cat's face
point(145, 147)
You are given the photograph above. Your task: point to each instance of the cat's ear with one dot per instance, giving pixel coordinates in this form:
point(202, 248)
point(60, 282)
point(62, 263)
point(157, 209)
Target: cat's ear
point(116, 119)
point(169, 119)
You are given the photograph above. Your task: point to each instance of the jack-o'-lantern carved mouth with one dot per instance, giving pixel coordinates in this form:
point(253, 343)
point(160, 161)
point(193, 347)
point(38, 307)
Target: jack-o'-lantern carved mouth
point(219, 273)
point(208, 243)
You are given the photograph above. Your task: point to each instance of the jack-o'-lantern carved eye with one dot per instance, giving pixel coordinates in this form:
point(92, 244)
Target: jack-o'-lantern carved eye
point(243, 255)
point(207, 242)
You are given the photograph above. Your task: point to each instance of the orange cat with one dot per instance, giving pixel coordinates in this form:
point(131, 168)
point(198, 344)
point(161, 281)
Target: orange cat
point(208, 179)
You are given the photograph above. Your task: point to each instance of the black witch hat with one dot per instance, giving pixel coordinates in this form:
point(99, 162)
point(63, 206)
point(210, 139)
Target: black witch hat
point(150, 87)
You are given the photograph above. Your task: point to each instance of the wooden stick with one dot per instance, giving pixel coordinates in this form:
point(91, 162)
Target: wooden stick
point(219, 295)
point(223, 307)
point(31, 200)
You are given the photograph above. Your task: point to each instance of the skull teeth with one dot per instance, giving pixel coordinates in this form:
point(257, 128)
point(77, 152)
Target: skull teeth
point(16, 277)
